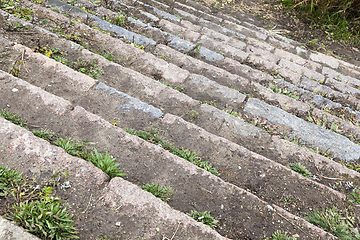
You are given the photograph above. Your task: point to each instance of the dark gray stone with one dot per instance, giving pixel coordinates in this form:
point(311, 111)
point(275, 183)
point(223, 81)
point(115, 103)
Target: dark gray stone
point(338, 146)
point(133, 103)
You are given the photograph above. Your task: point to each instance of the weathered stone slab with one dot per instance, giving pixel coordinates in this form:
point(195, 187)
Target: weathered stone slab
point(338, 146)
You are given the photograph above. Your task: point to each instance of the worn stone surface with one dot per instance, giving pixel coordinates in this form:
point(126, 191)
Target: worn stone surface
point(201, 87)
point(227, 50)
point(9, 231)
point(320, 138)
point(321, 58)
point(132, 103)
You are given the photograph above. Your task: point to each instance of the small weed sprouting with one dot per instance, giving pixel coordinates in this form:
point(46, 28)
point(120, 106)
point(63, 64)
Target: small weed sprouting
point(120, 20)
point(15, 68)
point(287, 198)
point(102, 161)
point(55, 54)
point(352, 166)
point(235, 114)
point(9, 179)
point(194, 159)
point(164, 57)
point(204, 217)
point(158, 191)
point(211, 103)
point(14, 118)
point(72, 147)
point(16, 10)
point(45, 22)
point(177, 88)
point(45, 218)
point(193, 115)
point(15, 27)
point(284, 91)
point(89, 67)
point(106, 163)
point(279, 235)
point(142, 47)
point(107, 56)
point(195, 50)
point(33, 208)
point(299, 168)
point(333, 222)
point(153, 137)
point(45, 134)
point(72, 2)
point(354, 196)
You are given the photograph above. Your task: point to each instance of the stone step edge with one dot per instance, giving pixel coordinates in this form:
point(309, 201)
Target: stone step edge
point(340, 88)
point(47, 97)
point(86, 83)
point(286, 103)
point(8, 230)
point(315, 56)
point(170, 119)
point(41, 148)
point(327, 141)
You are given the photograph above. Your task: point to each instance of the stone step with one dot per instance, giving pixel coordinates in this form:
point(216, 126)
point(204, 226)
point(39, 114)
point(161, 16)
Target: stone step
point(105, 114)
point(283, 66)
point(30, 57)
point(91, 195)
point(336, 145)
point(277, 56)
point(141, 161)
point(273, 39)
point(8, 230)
point(288, 101)
point(137, 101)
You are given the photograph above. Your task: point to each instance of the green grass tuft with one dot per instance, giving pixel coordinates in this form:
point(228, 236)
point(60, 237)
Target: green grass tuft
point(299, 168)
point(43, 133)
point(106, 163)
point(14, 118)
point(48, 219)
point(9, 179)
point(204, 217)
point(153, 137)
point(278, 235)
point(32, 207)
point(333, 222)
point(354, 196)
point(72, 147)
point(338, 19)
point(158, 191)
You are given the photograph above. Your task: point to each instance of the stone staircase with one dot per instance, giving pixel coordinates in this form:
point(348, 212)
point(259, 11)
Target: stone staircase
point(249, 102)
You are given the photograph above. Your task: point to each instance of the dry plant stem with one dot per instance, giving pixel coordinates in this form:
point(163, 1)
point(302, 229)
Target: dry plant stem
point(177, 228)
point(322, 214)
point(329, 178)
point(88, 204)
point(292, 223)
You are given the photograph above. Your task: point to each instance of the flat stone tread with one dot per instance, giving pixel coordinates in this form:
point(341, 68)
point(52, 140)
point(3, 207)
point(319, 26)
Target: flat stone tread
point(305, 71)
point(274, 39)
point(296, 65)
point(286, 103)
point(79, 113)
point(44, 157)
point(323, 139)
point(10, 231)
